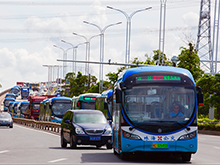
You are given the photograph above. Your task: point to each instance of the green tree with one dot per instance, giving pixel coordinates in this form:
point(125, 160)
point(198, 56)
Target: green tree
point(95, 88)
point(211, 89)
point(113, 77)
point(78, 84)
point(163, 58)
point(189, 59)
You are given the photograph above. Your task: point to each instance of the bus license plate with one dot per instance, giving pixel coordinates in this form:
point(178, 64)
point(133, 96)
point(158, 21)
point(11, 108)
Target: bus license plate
point(159, 145)
point(95, 138)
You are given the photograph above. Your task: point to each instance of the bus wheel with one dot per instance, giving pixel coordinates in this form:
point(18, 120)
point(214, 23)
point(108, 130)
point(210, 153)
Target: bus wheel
point(115, 152)
point(63, 142)
point(186, 157)
point(72, 142)
point(124, 155)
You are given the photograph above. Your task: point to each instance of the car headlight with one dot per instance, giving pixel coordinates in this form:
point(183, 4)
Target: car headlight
point(108, 131)
point(130, 135)
point(79, 131)
point(188, 136)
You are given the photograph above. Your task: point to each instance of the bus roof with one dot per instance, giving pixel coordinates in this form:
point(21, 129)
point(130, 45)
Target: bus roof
point(23, 102)
point(153, 68)
point(90, 94)
point(9, 98)
point(60, 97)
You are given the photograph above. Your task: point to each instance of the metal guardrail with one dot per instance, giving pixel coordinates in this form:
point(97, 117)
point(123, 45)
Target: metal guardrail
point(43, 125)
point(5, 91)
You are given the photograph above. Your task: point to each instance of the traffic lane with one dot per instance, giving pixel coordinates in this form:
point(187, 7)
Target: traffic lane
point(208, 150)
point(23, 145)
point(26, 145)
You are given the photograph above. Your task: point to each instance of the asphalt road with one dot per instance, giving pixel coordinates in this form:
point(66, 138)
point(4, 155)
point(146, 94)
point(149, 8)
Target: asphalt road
point(23, 145)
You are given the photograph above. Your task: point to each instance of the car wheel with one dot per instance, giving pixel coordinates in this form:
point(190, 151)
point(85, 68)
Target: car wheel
point(72, 142)
point(11, 126)
point(109, 146)
point(63, 141)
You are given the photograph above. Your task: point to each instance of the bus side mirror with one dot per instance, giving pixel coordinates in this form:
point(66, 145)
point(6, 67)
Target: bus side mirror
point(118, 93)
point(105, 105)
point(199, 96)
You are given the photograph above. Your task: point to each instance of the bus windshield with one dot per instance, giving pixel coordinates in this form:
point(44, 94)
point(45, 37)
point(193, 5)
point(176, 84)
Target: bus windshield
point(60, 108)
point(24, 107)
point(162, 104)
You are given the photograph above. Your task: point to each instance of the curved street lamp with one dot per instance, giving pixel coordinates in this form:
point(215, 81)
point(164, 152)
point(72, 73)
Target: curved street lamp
point(101, 50)
point(128, 29)
point(74, 53)
point(64, 57)
point(87, 49)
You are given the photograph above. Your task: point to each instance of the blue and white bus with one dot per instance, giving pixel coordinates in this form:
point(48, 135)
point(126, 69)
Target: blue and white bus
point(142, 102)
point(54, 108)
point(6, 102)
point(23, 108)
point(15, 109)
point(103, 103)
point(10, 95)
point(15, 90)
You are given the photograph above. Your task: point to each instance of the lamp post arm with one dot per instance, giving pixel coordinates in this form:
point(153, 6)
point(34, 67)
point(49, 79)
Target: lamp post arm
point(132, 14)
point(126, 15)
point(103, 30)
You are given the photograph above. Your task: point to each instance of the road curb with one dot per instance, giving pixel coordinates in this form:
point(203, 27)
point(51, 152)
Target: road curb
point(208, 132)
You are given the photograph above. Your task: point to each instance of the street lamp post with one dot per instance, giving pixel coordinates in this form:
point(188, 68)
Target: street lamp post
point(87, 49)
point(74, 53)
point(101, 50)
point(128, 29)
point(64, 57)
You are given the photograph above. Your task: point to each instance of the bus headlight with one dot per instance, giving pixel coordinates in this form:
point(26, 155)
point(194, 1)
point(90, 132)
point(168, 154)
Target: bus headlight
point(79, 131)
point(108, 131)
point(188, 136)
point(130, 135)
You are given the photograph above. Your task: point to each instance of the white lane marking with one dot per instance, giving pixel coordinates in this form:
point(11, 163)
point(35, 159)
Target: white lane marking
point(36, 130)
point(217, 148)
point(1, 152)
point(57, 160)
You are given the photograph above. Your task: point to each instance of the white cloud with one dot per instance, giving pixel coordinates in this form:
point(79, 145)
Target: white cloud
point(191, 19)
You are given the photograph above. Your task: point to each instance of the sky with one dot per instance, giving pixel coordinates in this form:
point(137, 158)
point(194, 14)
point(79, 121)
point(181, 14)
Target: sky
point(30, 29)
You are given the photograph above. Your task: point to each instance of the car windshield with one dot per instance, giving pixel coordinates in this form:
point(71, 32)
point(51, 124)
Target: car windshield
point(61, 108)
point(5, 115)
point(144, 104)
point(89, 118)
